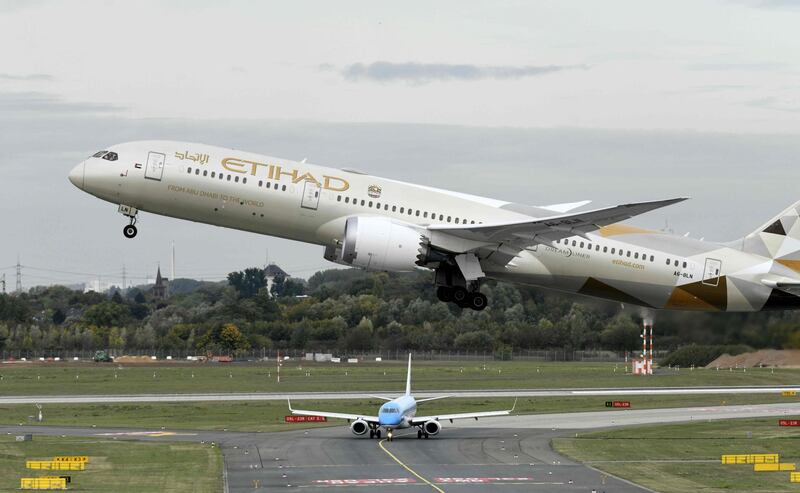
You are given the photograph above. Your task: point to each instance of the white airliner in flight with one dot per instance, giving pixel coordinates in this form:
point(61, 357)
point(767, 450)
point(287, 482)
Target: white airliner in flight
point(381, 224)
point(400, 413)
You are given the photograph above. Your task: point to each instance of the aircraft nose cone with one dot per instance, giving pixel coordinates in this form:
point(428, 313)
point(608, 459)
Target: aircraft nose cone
point(76, 175)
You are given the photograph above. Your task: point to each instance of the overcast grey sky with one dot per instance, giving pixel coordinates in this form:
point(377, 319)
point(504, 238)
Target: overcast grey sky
point(535, 102)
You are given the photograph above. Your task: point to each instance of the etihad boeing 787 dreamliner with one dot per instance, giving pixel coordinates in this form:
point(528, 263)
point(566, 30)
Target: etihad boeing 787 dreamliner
point(399, 413)
point(387, 225)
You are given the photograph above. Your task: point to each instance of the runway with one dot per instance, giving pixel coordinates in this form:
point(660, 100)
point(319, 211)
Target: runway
point(282, 396)
point(498, 454)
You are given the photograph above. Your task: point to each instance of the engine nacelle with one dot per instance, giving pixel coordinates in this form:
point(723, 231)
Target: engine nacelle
point(432, 427)
point(379, 243)
point(359, 427)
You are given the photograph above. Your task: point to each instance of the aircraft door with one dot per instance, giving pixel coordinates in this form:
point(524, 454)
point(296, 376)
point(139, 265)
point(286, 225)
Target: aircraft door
point(155, 166)
point(311, 191)
point(712, 271)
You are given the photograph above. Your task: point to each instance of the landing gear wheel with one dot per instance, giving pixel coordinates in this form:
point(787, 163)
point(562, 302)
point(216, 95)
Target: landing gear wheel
point(460, 296)
point(389, 435)
point(378, 434)
point(372, 433)
point(444, 293)
point(129, 231)
point(419, 434)
point(478, 301)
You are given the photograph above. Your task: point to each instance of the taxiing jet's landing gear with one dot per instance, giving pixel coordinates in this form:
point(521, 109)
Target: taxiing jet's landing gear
point(389, 435)
point(378, 434)
point(421, 434)
point(130, 212)
point(372, 433)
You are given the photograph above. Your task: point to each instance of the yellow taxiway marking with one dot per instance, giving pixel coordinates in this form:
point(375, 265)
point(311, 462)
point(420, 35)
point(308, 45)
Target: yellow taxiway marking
point(436, 488)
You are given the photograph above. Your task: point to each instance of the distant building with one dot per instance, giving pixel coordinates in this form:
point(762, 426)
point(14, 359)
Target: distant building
point(271, 272)
point(161, 287)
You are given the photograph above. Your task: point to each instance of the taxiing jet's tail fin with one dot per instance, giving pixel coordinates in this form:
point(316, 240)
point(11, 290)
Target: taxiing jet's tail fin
point(408, 376)
point(778, 238)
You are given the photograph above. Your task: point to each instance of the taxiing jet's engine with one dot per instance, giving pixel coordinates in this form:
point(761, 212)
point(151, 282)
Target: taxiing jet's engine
point(432, 427)
point(359, 427)
point(379, 243)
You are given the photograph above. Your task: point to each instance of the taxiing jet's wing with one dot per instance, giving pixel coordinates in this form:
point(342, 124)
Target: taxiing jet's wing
point(351, 417)
point(549, 229)
point(418, 420)
point(790, 286)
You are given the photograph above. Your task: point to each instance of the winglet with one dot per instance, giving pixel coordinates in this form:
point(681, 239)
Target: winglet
point(514, 406)
point(290, 405)
point(408, 377)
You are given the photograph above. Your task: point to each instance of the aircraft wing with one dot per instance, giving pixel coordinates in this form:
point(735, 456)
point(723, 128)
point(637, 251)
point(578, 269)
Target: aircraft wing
point(788, 285)
point(351, 417)
point(550, 229)
point(418, 420)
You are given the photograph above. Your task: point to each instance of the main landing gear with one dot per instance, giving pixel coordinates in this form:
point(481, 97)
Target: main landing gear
point(130, 212)
point(458, 280)
point(376, 433)
point(421, 434)
point(460, 296)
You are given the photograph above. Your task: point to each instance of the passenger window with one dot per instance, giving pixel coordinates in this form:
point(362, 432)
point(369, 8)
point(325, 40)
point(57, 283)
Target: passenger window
point(362, 202)
point(229, 177)
point(260, 183)
point(472, 222)
point(441, 217)
point(402, 209)
point(417, 214)
point(276, 186)
point(410, 211)
point(684, 265)
point(456, 220)
point(347, 200)
point(244, 180)
point(189, 170)
point(622, 252)
point(213, 174)
point(628, 254)
point(449, 218)
point(613, 251)
point(205, 172)
point(386, 207)
point(581, 244)
point(394, 208)
point(197, 171)
point(636, 255)
point(425, 214)
point(338, 198)
point(236, 179)
point(597, 248)
point(667, 261)
point(574, 242)
point(676, 263)
point(283, 188)
point(605, 249)
point(652, 258)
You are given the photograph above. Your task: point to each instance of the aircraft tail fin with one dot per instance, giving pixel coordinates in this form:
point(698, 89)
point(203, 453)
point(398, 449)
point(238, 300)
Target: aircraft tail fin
point(408, 376)
point(778, 238)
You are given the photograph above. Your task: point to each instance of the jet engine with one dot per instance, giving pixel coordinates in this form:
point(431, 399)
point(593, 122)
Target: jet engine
point(359, 427)
point(432, 427)
point(379, 243)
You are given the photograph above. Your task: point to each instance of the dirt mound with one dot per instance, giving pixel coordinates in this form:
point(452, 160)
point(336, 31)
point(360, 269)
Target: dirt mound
point(784, 358)
point(133, 359)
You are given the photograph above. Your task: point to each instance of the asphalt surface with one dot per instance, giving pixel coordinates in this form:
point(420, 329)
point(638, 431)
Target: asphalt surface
point(496, 454)
point(474, 460)
point(277, 396)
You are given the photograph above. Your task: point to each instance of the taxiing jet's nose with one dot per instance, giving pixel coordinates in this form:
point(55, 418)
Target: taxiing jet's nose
point(76, 175)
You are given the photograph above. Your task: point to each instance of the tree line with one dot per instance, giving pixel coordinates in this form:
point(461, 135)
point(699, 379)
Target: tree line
point(352, 310)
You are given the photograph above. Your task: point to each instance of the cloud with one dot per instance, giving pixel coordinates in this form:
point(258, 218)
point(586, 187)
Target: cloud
point(28, 77)
point(771, 103)
point(421, 73)
point(770, 4)
point(44, 103)
point(742, 67)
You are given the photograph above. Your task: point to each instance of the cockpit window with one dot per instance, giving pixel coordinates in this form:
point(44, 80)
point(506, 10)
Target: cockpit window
point(391, 410)
point(99, 153)
point(111, 156)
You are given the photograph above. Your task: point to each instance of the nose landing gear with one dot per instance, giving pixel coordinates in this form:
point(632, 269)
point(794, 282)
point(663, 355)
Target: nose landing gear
point(130, 230)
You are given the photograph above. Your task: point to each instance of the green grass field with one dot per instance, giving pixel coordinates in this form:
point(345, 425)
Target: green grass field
point(269, 415)
point(117, 465)
point(677, 458)
point(89, 378)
